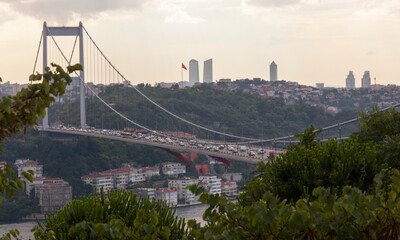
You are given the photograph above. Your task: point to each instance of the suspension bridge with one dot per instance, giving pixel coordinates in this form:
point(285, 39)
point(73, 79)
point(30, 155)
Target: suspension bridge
point(99, 75)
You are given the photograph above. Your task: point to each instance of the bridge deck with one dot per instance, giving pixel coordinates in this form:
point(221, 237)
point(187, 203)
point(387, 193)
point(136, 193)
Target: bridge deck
point(240, 156)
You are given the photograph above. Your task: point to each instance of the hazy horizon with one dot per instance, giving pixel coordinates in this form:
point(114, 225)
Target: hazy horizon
point(312, 41)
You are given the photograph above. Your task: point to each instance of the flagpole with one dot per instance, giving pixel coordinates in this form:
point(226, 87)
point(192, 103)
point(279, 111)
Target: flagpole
point(181, 77)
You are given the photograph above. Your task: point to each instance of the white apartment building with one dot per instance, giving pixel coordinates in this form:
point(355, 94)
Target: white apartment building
point(116, 178)
point(150, 171)
point(25, 165)
point(165, 194)
point(100, 180)
point(213, 183)
point(184, 195)
point(172, 169)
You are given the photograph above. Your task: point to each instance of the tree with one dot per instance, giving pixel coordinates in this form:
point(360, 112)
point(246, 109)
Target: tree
point(119, 215)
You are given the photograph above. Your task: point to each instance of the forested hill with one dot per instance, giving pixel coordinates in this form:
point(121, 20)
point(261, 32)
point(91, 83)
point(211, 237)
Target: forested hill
point(235, 113)
point(231, 112)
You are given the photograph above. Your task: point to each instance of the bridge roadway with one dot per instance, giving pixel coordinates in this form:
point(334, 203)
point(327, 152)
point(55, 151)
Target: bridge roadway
point(242, 156)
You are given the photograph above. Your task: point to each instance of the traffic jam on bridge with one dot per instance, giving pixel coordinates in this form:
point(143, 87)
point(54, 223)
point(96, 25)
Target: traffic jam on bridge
point(177, 139)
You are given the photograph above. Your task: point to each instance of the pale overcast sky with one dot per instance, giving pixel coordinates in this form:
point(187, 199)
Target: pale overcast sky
point(310, 40)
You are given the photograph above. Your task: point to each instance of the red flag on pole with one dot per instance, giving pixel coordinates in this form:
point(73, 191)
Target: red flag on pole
point(183, 66)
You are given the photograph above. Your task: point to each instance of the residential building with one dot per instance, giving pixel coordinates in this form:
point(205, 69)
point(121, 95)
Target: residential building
point(25, 165)
point(366, 80)
point(184, 195)
point(320, 85)
point(37, 182)
point(115, 178)
point(236, 177)
point(53, 196)
point(193, 72)
point(350, 81)
point(100, 180)
point(172, 169)
point(3, 165)
point(273, 72)
point(213, 183)
point(229, 189)
point(145, 192)
point(208, 71)
point(150, 171)
point(165, 194)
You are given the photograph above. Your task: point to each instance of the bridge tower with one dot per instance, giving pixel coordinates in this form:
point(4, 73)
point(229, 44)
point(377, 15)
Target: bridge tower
point(66, 31)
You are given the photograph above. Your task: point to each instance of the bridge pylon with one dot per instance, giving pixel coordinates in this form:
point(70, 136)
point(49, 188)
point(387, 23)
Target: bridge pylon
point(66, 31)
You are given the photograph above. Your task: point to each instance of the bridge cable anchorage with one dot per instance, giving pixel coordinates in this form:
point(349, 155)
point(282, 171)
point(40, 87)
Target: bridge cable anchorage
point(104, 102)
point(251, 140)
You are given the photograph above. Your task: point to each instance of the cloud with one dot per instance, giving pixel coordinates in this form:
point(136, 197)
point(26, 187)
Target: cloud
point(182, 17)
point(171, 5)
point(271, 3)
point(63, 11)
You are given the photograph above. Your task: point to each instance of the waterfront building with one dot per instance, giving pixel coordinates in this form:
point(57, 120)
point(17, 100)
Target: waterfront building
point(212, 182)
point(145, 192)
point(115, 178)
point(273, 72)
point(229, 189)
point(169, 195)
point(350, 81)
point(184, 195)
point(53, 196)
point(366, 80)
point(208, 71)
point(193, 72)
point(172, 169)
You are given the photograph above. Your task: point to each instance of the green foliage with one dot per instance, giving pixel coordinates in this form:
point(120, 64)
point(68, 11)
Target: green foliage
point(350, 215)
point(330, 164)
point(383, 129)
point(120, 215)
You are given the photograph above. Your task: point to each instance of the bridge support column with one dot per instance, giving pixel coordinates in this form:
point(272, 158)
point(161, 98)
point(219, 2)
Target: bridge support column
point(46, 118)
point(82, 82)
point(66, 31)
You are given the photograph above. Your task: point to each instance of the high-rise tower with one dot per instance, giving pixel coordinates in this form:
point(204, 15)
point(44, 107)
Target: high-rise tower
point(193, 72)
point(208, 71)
point(273, 72)
point(366, 80)
point(350, 81)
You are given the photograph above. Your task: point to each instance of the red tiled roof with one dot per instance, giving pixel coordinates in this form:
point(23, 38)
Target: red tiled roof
point(164, 190)
point(149, 168)
point(229, 183)
point(30, 162)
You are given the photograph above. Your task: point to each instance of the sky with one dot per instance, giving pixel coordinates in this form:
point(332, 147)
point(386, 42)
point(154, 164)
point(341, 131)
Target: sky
point(312, 41)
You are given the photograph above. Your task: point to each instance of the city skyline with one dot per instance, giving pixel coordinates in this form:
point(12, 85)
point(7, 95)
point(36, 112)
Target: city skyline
point(147, 40)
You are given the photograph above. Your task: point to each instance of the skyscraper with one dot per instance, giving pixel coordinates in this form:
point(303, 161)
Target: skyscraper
point(273, 72)
point(208, 71)
point(366, 80)
point(193, 72)
point(350, 81)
